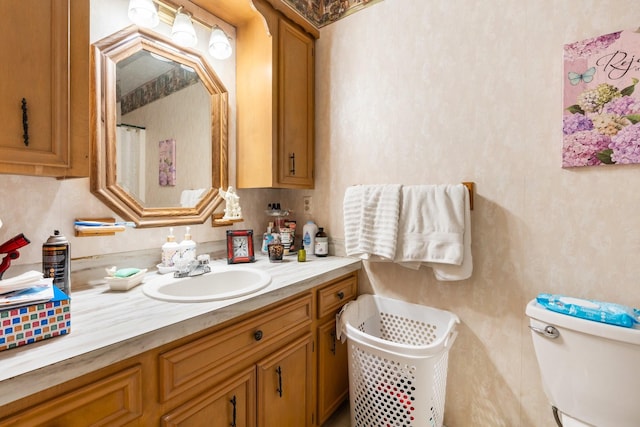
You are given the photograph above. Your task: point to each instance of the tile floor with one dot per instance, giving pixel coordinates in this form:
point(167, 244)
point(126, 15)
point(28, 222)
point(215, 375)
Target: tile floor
point(340, 418)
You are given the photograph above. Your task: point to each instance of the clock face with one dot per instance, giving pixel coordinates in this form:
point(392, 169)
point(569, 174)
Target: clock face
point(240, 246)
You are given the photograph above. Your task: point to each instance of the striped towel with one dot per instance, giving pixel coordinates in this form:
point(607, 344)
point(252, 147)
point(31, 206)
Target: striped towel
point(371, 214)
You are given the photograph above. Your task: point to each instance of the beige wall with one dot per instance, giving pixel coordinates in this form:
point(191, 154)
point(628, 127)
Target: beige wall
point(446, 91)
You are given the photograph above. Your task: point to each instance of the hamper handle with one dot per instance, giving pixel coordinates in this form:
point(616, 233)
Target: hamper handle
point(451, 338)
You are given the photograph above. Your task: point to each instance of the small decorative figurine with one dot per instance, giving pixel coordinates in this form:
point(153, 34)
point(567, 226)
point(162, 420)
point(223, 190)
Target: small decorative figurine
point(232, 209)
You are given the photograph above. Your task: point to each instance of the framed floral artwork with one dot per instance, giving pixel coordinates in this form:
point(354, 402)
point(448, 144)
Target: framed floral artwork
point(167, 165)
point(601, 107)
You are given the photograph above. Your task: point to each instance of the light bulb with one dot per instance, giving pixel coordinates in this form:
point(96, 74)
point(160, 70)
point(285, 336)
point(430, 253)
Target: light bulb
point(219, 46)
point(183, 32)
point(143, 13)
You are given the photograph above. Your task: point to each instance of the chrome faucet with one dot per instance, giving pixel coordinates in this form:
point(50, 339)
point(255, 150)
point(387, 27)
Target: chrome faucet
point(194, 267)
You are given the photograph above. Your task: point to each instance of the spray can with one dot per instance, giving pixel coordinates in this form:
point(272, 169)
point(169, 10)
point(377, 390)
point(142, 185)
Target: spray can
point(56, 261)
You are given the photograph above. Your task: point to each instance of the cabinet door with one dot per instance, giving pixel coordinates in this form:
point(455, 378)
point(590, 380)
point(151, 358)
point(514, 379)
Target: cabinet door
point(230, 404)
point(333, 374)
point(34, 82)
point(295, 107)
point(44, 127)
point(285, 392)
point(115, 400)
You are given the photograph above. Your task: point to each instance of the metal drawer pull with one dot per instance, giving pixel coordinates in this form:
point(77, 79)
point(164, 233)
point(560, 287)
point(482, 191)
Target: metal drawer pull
point(292, 157)
point(233, 402)
point(257, 335)
point(340, 295)
point(548, 331)
point(279, 389)
point(25, 122)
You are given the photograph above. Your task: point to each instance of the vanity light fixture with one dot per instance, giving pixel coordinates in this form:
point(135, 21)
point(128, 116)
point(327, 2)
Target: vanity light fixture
point(143, 13)
point(219, 45)
point(183, 32)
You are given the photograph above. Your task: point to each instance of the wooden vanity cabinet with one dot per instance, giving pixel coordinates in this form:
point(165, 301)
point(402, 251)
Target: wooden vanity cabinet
point(110, 396)
point(279, 366)
point(332, 363)
point(44, 88)
point(267, 357)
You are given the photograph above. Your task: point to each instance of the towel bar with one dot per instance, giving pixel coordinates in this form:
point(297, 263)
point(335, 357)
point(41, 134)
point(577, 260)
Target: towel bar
point(469, 186)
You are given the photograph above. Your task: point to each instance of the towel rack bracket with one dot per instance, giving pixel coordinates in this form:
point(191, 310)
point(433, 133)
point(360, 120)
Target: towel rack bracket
point(469, 186)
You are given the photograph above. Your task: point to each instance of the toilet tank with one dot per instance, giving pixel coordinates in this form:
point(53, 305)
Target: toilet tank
point(591, 371)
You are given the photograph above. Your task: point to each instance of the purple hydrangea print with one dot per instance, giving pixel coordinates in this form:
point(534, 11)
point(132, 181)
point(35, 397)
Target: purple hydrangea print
point(581, 148)
point(585, 48)
point(625, 145)
point(573, 123)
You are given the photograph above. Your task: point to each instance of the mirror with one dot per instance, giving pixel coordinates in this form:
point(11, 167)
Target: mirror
point(159, 132)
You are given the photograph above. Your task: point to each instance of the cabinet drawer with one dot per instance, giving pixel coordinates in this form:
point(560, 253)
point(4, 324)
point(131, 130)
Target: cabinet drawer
point(113, 400)
point(334, 295)
point(200, 361)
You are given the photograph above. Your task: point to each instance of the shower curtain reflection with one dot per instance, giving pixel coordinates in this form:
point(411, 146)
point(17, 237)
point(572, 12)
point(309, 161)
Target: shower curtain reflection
point(130, 160)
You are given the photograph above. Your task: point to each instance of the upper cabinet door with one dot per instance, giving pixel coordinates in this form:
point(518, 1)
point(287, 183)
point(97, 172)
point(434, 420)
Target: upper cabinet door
point(45, 44)
point(275, 91)
point(296, 107)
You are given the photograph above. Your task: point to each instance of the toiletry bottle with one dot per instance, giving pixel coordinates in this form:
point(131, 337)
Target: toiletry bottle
point(322, 243)
point(56, 261)
point(309, 232)
point(267, 238)
point(169, 250)
point(188, 247)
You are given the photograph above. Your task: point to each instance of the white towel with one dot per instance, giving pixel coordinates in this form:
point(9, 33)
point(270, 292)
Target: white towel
point(371, 214)
point(190, 198)
point(463, 271)
point(432, 225)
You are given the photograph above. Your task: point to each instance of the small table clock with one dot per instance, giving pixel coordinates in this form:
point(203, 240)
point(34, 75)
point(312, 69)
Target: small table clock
point(240, 246)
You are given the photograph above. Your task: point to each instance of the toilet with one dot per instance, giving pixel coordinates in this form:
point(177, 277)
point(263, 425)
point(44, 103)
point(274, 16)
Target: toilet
point(590, 371)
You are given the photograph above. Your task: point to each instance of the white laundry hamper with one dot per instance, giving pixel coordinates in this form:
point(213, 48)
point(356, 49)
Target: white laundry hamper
point(398, 357)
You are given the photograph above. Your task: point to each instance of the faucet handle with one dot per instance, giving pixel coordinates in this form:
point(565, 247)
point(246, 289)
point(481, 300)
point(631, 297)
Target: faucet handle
point(203, 259)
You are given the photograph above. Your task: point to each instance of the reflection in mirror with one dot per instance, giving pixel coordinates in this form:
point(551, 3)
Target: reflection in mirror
point(154, 94)
point(160, 130)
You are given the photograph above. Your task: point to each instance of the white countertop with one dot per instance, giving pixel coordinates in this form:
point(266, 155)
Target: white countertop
point(109, 326)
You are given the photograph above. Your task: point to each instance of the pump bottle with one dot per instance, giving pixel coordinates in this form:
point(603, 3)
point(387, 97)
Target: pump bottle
point(169, 250)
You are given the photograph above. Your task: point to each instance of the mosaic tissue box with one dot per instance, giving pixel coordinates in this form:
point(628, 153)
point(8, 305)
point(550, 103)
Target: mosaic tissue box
point(31, 323)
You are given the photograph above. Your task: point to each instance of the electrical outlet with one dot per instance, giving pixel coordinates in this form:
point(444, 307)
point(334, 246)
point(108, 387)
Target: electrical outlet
point(308, 205)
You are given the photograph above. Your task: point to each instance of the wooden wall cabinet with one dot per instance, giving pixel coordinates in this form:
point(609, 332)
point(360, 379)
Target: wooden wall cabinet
point(45, 62)
point(279, 366)
point(275, 90)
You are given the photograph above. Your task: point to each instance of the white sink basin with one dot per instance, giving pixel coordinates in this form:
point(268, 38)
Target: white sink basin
point(222, 283)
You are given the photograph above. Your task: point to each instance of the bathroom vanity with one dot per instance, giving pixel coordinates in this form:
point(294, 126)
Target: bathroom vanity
point(265, 359)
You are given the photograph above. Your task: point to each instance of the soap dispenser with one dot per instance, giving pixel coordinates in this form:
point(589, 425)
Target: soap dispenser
point(188, 247)
point(169, 250)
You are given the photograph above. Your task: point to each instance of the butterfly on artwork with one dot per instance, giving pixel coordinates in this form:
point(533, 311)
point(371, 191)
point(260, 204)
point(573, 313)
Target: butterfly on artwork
point(586, 77)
